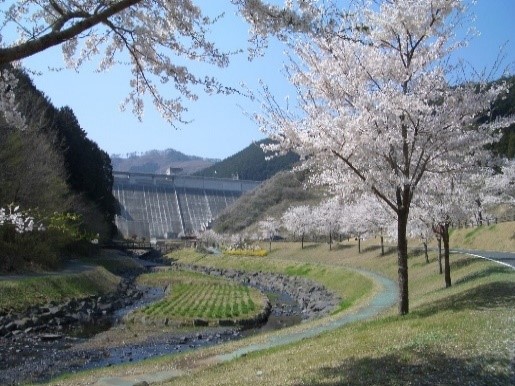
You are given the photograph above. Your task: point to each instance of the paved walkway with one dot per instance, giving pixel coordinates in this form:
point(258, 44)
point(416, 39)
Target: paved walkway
point(384, 299)
point(503, 258)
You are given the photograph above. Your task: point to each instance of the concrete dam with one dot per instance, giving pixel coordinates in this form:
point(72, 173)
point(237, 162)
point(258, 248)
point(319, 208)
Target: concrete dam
point(170, 206)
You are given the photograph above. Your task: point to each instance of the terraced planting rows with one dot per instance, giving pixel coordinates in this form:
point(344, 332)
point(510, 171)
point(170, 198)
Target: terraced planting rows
point(197, 298)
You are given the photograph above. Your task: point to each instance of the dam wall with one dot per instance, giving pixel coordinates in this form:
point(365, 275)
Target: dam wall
point(168, 206)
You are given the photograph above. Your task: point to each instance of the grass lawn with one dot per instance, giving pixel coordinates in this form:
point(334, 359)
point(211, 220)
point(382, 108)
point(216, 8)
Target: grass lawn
point(21, 293)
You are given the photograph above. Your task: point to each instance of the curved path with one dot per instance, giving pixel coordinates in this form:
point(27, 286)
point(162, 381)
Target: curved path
point(505, 258)
point(385, 298)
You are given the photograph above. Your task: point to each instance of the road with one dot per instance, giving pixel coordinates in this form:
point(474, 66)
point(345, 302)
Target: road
point(504, 258)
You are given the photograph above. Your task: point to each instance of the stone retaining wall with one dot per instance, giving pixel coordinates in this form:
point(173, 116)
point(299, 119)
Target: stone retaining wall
point(56, 317)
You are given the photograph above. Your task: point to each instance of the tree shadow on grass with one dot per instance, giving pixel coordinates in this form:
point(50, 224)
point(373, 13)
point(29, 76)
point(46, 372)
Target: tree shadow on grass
point(462, 263)
point(416, 252)
point(338, 246)
point(415, 367)
point(311, 246)
point(388, 250)
point(483, 273)
point(371, 248)
point(486, 296)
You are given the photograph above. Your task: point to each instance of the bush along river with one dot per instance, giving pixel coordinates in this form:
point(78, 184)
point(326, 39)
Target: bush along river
point(80, 334)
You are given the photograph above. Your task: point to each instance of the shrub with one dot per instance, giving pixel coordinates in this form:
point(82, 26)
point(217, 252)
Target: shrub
point(247, 252)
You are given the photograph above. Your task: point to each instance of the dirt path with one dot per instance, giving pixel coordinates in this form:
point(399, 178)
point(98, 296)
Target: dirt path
point(385, 298)
point(71, 267)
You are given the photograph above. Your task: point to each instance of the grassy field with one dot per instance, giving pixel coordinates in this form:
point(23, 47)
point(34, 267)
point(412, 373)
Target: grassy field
point(94, 276)
point(463, 335)
point(495, 237)
point(197, 297)
point(19, 293)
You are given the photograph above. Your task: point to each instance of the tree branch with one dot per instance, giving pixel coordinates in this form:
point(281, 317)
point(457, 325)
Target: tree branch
point(363, 178)
point(58, 36)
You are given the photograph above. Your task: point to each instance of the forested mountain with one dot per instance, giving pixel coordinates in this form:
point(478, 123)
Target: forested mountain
point(52, 166)
point(250, 164)
point(158, 161)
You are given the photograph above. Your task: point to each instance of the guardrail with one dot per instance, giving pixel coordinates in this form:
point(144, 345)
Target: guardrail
point(484, 221)
point(143, 245)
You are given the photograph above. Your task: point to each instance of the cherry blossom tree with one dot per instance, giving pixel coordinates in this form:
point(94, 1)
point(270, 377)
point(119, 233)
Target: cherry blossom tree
point(156, 38)
point(421, 228)
point(328, 216)
point(298, 220)
point(19, 220)
point(269, 228)
point(9, 113)
point(449, 199)
point(366, 217)
point(498, 188)
point(209, 238)
point(377, 110)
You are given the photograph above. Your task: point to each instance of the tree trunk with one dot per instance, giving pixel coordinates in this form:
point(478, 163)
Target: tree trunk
point(425, 251)
point(382, 245)
point(330, 240)
point(440, 254)
point(302, 241)
point(359, 244)
point(447, 266)
point(402, 260)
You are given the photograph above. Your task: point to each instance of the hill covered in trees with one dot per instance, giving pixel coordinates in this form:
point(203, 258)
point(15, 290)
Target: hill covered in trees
point(53, 170)
point(250, 164)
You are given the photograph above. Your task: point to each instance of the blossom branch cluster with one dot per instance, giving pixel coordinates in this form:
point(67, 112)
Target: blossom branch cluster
point(21, 221)
point(8, 106)
point(158, 37)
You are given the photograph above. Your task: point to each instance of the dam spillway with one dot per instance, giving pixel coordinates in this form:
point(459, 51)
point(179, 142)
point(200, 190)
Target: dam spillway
point(170, 206)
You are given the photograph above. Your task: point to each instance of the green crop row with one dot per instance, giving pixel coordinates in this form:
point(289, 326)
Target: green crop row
point(202, 297)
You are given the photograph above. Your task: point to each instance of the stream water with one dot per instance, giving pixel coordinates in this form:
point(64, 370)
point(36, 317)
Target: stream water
point(30, 358)
point(285, 312)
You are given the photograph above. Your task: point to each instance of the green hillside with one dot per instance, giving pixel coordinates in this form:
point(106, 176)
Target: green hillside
point(250, 164)
point(272, 198)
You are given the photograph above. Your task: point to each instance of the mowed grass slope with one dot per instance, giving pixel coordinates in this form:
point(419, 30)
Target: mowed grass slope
point(494, 237)
point(22, 292)
point(78, 279)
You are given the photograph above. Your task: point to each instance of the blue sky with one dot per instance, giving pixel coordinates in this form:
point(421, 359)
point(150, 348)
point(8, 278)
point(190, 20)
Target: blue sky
point(219, 125)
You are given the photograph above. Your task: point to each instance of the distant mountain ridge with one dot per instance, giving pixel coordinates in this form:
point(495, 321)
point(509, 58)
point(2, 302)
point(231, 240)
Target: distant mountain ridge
point(158, 161)
point(250, 164)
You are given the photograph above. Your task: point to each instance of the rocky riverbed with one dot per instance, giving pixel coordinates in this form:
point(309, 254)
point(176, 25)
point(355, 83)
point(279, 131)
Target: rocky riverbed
point(46, 341)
